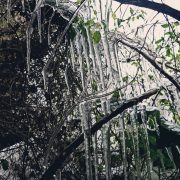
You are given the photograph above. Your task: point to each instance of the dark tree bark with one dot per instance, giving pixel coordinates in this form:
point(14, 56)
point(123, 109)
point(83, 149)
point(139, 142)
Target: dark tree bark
point(58, 163)
point(161, 8)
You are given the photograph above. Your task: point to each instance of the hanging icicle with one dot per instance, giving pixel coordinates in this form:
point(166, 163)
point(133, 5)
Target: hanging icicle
point(79, 51)
point(23, 5)
point(66, 78)
point(39, 24)
point(106, 141)
point(49, 28)
point(8, 10)
point(123, 141)
point(28, 44)
point(107, 52)
point(87, 138)
point(94, 140)
point(72, 54)
point(84, 45)
point(136, 142)
point(148, 159)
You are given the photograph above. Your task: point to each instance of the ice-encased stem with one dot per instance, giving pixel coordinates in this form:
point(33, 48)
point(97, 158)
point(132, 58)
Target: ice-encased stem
point(148, 157)
point(107, 52)
point(66, 78)
point(39, 24)
point(28, 44)
point(94, 140)
point(79, 51)
point(91, 50)
point(123, 141)
point(87, 138)
point(8, 10)
point(169, 152)
point(99, 62)
point(105, 108)
point(85, 112)
point(114, 55)
point(106, 141)
point(72, 54)
point(84, 44)
point(136, 141)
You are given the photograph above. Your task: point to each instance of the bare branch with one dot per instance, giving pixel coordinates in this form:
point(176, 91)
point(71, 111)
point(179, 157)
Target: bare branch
point(147, 54)
point(161, 8)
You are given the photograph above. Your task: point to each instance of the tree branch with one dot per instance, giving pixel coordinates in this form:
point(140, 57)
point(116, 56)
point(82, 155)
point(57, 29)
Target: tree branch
point(58, 163)
point(147, 54)
point(161, 8)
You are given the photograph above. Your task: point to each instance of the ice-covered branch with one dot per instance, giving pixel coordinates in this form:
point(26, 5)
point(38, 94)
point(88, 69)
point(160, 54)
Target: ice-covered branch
point(150, 56)
point(58, 163)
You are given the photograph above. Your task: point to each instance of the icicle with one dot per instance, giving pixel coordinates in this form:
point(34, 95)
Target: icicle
point(91, 55)
point(98, 10)
point(105, 106)
point(106, 51)
point(39, 24)
point(23, 5)
point(108, 11)
point(79, 51)
point(123, 141)
point(84, 44)
point(85, 114)
point(106, 142)
point(144, 121)
point(161, 159)
point(28, 43)
point(122, 123)
point(96, 49)
point(8, 10)
point(49, 28)
point(87, 138)
point(136, 141)
point(59, 177)
point(94, 140)
point(72, 53)
point(169, 152)
point(66, 78)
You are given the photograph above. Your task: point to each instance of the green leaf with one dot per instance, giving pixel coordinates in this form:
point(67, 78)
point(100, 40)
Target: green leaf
point(5, 164)
point(125, 79)
point(94, 85)
point(177, 57)
point(160, 40)
point(131, 11)
point(90, 22)
point(165, 25)
point(168, 51)
point(115, 94)
point(81, 28)
point(164, 102)
point(176, 23)
point(120, 21)
point(96, 37)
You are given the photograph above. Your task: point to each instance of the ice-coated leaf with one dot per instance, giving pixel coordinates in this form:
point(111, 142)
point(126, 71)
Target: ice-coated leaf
point(96, 37)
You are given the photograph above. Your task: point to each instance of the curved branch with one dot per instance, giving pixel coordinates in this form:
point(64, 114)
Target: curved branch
point(161, 8)
point(58, 163)
point(147, 54)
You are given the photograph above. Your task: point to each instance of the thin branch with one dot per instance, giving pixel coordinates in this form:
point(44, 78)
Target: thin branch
point(159, 7)
point(148, 55)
